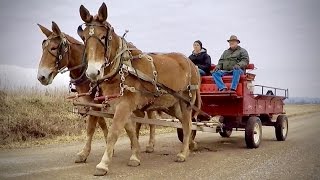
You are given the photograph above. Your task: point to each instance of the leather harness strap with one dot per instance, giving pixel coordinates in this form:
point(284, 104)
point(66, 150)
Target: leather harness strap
point(139, 74)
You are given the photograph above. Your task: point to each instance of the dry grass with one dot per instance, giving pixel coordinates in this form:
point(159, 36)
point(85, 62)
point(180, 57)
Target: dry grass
point(31, 118)
point(28, 116)
point(296, 109)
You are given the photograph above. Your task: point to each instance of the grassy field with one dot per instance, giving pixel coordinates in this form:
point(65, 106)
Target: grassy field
point(29, 116)
point(36, 118)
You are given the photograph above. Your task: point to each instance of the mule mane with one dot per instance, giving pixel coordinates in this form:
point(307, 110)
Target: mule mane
point(72, 40)
point(107, 24)
point(68, 37)
point(155, 53)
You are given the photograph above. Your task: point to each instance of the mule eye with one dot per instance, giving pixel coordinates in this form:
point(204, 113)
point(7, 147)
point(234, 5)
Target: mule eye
point(103, 39)
point(54, 48)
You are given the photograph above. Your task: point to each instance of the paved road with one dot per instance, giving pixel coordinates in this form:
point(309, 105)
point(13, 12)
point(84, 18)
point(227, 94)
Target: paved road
point(217, 158)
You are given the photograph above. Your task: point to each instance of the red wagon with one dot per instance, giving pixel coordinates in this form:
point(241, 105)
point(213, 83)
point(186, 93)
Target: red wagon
point(239, 110)
point(244, 109)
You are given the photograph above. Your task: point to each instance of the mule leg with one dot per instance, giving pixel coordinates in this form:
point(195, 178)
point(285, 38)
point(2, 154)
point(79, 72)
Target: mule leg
point(186, 126)
point(104, 127)
point(84, 153)
point(120, 118)
point(135, 147)
point(140, 114)
point(193, 146)
point(138, 127)
point(150, 146)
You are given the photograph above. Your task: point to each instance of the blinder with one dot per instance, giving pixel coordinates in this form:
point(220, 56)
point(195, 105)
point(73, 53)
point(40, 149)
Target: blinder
point(80, 31)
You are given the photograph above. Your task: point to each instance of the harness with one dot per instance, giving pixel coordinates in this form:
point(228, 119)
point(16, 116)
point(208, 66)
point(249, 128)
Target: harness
point(121, 64)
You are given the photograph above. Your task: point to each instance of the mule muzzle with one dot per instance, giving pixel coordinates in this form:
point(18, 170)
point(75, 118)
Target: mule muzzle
point(93, 71)
point(93, 75)
point(45, 77)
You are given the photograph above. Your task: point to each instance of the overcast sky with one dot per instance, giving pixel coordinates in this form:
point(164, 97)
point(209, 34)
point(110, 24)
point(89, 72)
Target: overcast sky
point(281, 36)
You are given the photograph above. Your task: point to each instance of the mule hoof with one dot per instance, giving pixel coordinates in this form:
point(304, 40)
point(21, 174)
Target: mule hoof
point(149, 149)
point(133, 163)
point(180, 158)
point(80, 159)
point(100, 172)
point(193, 146)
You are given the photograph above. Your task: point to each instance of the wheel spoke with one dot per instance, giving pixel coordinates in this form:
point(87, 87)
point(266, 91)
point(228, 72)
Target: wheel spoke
point(256, 132)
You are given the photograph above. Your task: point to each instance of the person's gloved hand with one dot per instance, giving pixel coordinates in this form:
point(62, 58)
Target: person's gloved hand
point(236, 66)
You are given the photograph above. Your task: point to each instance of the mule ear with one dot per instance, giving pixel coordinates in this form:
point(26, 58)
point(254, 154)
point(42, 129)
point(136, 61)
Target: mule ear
point(44, 30)
point(55, 28)
point(85, 14)
point(103, 13)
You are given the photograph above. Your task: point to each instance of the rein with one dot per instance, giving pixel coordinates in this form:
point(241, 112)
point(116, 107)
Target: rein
point(82, 78)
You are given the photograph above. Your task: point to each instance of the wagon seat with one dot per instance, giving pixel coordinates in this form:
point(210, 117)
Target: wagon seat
point(208, 86)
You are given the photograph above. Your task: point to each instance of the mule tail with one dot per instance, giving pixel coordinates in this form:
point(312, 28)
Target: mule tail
point(198, 104)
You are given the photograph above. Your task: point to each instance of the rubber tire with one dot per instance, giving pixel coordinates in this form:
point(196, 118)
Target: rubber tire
point(279, 127)
point(249, 132)
point(226, 132)
point(180, 134)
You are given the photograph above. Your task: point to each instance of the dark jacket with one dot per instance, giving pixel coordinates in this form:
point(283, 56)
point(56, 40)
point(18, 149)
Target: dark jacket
point(230, 57)
point(202, 60)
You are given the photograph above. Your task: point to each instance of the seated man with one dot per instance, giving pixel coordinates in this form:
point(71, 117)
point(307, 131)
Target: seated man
point(200, 58)
point(233, 61)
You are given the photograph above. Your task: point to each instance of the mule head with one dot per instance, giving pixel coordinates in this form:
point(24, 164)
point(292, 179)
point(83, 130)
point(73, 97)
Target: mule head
point(100, 41)
point(53, 58)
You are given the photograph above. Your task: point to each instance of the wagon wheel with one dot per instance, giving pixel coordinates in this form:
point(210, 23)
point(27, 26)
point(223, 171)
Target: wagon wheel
point(281, 127)
point(180, 134)
point(253, 132)
point(224, 132)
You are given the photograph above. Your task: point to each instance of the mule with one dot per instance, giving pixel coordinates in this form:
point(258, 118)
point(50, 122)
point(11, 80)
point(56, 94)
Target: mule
point(139, 81)
point(62, 51)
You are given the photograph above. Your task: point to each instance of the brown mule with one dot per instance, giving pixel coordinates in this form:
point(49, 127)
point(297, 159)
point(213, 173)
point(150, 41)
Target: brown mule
point(140, 81)
point(62, 51)
point(49, 67)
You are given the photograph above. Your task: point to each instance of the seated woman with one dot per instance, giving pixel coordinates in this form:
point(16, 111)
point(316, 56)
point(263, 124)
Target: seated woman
point(200, 58)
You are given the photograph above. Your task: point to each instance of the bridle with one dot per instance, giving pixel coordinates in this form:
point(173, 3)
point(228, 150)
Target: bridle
point(63, 50)
point(107, 37)
point(117, 61)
